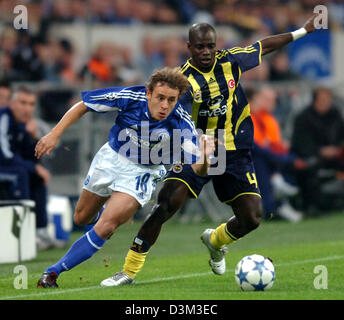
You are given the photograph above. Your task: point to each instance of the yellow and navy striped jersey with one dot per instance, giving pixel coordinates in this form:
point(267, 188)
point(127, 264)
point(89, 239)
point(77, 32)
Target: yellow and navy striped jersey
point(216, 99)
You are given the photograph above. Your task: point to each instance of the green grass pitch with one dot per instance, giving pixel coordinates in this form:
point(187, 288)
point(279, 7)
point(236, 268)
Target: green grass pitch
point(177, 266)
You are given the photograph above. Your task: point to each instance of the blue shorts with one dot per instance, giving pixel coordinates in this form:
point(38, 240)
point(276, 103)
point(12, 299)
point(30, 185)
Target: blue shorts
point(238, 179)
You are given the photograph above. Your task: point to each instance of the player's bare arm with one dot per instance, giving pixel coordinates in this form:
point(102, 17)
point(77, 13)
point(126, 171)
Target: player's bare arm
point(276, 42)
point(207, 147)
point(47, 143)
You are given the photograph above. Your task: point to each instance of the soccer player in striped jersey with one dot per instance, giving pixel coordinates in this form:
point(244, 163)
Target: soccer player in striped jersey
point(120, 176)
point(217, 104)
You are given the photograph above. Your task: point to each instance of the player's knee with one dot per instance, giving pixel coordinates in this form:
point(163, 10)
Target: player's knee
point(254, 218)
point(78, 220)
point(80, 217)
point(167, 207)
point(106, 228)
point(249, 214)
point(168, 204)
point(172, 204)
point(253, 223)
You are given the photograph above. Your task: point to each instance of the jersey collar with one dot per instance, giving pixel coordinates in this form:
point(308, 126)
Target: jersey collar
point(211, 70)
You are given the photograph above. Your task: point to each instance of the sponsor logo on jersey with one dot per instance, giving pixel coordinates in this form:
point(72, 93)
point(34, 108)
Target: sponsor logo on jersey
point(214, 112)
point(213, 102)
point(159, 137)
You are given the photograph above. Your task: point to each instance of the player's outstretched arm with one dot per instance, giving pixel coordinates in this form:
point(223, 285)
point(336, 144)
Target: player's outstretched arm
point(207, 147)
point(47, 143)
point(276, 42)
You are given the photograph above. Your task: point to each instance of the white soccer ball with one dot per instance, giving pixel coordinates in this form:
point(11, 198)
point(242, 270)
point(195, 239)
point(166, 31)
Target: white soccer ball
point(255, 273)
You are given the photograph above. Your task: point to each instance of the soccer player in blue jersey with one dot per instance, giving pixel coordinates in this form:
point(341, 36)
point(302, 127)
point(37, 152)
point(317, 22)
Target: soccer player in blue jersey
point(217, 104)
point(124, 172)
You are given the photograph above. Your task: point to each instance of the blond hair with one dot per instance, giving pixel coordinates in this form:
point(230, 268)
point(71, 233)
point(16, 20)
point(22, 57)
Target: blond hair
point(170, 76)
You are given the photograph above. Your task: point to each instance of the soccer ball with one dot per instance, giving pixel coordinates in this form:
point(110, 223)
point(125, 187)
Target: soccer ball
point(255, 273)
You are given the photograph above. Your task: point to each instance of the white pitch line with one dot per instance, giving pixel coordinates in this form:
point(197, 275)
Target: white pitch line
point(185, 276)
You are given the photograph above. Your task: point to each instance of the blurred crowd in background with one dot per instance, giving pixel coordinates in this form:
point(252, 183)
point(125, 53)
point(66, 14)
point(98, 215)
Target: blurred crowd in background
point(248, 15)
point(35, 56)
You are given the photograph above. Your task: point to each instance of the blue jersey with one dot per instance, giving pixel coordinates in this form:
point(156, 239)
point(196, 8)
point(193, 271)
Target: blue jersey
point(136, 135)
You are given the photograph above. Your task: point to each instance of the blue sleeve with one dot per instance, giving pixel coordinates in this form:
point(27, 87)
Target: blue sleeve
point(247, 58)
point(186, 122)
point(18, 160)
point(102, 100)
point(189, 138)
point(10, 159)
point(26, 154)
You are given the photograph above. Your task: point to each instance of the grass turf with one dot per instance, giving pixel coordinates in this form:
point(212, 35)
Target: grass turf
point(177, 266)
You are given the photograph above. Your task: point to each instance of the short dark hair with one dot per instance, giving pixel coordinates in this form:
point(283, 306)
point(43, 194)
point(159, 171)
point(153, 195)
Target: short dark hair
point(170, 76)
point(200, 28)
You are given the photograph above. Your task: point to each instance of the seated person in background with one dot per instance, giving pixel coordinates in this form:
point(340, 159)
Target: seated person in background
point(29, 178)
point(271, 156)
point(280, 68)
point(318, 138)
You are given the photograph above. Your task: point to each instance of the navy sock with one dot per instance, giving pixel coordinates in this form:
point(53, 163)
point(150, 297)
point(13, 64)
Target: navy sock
point(140, 245)
point(82, 249)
